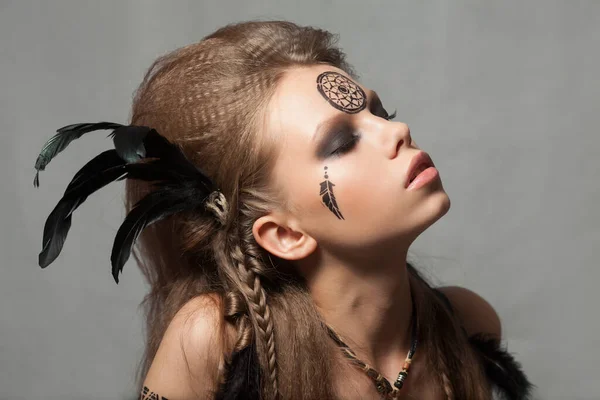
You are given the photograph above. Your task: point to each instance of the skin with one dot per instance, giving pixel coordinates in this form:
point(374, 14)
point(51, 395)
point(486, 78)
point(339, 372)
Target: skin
point(354, 259)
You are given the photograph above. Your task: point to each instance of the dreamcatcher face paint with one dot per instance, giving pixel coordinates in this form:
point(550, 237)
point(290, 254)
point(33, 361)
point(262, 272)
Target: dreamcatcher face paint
point(343, 162)
point(341, 92)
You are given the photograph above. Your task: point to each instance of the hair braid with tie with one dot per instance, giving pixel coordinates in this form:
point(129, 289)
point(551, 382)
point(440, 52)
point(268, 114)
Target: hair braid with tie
point(245, 273)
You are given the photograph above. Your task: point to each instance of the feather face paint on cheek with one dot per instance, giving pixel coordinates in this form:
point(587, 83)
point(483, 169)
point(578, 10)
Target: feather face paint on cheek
point(341, 92)
point(328, 198)
point(344, 95)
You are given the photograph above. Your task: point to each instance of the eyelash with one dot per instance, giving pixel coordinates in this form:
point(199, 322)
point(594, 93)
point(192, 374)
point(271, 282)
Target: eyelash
point(355, 136)
point(390, 117)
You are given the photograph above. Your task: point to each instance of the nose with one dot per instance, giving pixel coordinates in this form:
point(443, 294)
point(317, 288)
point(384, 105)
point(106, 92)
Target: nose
point(400, 138)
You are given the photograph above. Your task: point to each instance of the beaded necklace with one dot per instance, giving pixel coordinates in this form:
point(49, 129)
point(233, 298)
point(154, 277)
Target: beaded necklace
point(381, 383)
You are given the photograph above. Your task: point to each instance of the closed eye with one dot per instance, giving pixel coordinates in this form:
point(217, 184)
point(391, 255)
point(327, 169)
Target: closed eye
point(377, 109)
point(354, 138)
point(346, 146)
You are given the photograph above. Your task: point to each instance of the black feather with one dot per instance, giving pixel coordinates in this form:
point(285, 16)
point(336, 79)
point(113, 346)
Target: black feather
point(171, 157)
point(179, 184)
point(55, 233)
point(135, 142)
point(501, 368)
point(101, 162)
point(129, 142)
point(61, 140)
point(182, 187)
point(156, 206)
point(100, 171)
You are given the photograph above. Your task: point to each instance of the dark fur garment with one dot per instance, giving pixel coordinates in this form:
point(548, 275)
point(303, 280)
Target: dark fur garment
point(502, 370)
point(242, 376)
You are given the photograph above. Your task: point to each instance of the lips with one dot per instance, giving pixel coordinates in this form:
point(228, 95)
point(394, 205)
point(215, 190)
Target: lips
point(418, 164)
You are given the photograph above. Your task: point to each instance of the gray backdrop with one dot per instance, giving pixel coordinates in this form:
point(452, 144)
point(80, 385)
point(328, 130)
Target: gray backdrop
point(503, 95)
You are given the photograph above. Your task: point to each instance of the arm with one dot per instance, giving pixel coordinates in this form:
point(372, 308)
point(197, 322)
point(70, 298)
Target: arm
point(476, 314)
point(187, 361)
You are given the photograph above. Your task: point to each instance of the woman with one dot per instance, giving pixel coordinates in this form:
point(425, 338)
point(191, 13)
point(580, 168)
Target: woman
point(277, 231)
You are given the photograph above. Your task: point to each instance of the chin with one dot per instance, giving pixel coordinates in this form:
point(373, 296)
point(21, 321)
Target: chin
point(435, 208)
point(439, 204)
point(444, 204)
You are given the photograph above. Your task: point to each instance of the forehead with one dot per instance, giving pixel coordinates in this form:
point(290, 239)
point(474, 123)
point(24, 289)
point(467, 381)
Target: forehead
point(307, 96)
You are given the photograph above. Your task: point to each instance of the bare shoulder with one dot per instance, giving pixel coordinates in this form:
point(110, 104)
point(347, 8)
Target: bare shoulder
point(190, 354)
point(476, 314)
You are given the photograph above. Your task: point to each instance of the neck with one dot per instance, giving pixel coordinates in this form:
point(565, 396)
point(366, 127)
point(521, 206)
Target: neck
point(368, 303)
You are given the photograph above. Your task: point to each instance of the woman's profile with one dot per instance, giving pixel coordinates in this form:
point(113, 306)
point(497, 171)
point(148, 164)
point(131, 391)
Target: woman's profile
point(273, 199)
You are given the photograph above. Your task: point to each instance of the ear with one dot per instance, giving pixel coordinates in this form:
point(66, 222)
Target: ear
point(275, 234)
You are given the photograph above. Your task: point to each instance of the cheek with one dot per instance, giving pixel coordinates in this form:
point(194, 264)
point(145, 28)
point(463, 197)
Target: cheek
point(303, 191)
point(366, 194)
point(306, 185)
point(369, 206)
point(360, 193)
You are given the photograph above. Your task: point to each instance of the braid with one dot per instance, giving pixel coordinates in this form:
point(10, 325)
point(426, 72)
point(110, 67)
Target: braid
point(236, 313)
point(249, 274)
point(246, 277)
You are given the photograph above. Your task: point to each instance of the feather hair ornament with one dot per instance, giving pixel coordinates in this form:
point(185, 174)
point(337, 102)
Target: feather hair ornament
point(179, 184)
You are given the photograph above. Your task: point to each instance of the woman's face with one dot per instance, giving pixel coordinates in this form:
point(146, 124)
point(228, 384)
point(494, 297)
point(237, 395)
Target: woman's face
point(342, 166)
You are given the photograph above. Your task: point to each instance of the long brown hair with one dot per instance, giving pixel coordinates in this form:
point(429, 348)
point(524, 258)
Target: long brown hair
point(210, 98)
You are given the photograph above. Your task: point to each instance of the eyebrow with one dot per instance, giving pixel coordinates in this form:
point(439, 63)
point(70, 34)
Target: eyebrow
point(342, 116)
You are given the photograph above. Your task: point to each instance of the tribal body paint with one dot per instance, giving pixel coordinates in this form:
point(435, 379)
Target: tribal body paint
point(327, 196)
point(341, 92)
point(344, 95)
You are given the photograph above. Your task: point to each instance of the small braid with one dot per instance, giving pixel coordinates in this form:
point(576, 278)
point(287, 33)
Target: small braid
point(236, 312)
point(259, 307)
point(248, 271)
point(246, 280)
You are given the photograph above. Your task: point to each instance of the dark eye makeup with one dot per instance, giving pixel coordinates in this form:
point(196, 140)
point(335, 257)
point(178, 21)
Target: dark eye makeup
point(349, 138)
